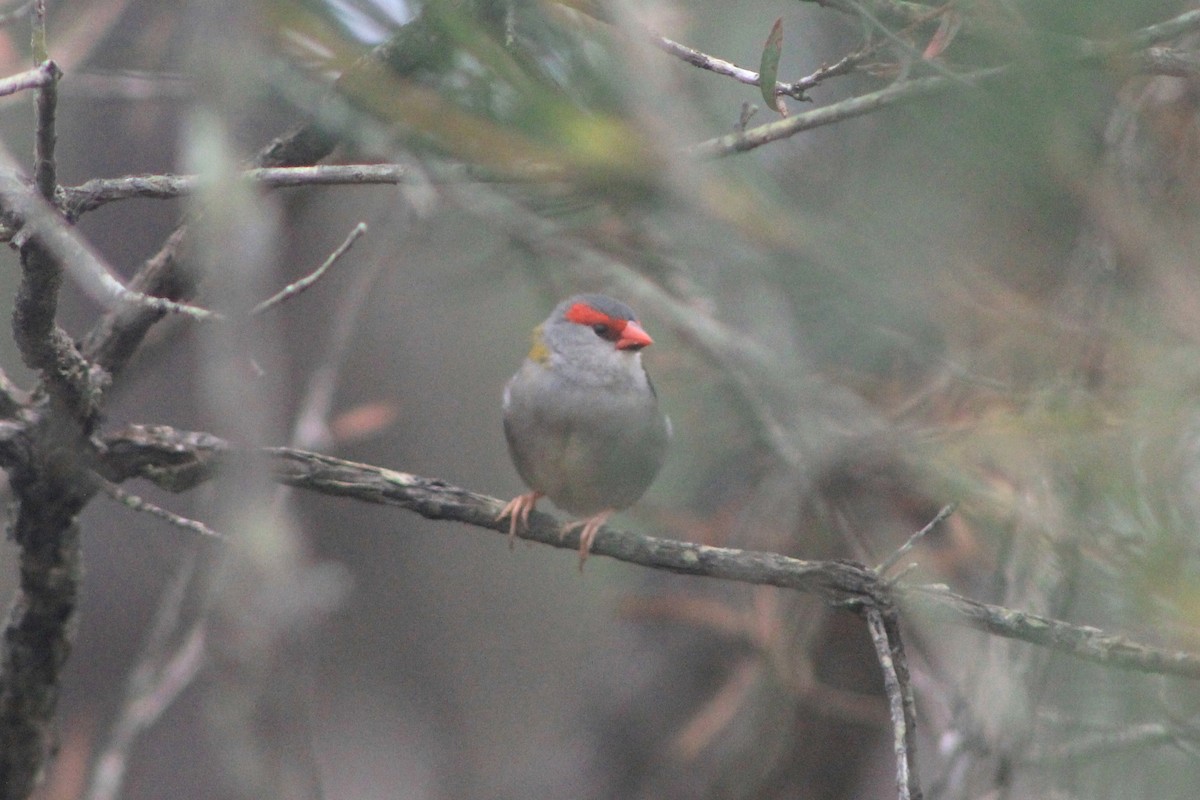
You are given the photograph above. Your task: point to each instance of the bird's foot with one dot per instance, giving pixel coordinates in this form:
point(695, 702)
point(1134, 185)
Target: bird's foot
point(590, 526)
point(517, 510)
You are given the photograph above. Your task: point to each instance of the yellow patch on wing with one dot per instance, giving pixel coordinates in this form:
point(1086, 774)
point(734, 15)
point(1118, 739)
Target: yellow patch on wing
point(539, 353)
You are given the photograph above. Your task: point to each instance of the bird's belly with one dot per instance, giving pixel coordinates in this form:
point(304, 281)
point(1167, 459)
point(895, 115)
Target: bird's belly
point(584, 486)
point(586, 474)
point(586, 456)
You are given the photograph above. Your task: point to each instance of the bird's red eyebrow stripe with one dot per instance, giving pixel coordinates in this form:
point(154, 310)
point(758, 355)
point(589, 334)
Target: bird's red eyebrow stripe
point(584, 314)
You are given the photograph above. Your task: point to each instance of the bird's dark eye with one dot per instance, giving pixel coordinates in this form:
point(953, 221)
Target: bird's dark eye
point(605, 331)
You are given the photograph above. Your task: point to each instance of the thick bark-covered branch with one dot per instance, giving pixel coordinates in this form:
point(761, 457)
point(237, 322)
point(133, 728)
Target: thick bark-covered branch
point(43, 345)
point(39, 629)
point(836, 581)
point(180, 459)
point(43, 455)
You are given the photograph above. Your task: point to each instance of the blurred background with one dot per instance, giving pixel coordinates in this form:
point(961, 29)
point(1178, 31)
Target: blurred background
point(988, 296)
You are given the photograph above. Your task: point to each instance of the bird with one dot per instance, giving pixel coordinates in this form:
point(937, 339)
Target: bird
point(582, 418)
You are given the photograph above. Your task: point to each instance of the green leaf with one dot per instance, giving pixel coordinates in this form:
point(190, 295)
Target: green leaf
point(768, 70)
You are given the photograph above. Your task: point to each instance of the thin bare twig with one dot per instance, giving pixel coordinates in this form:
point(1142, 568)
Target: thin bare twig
point(39, 77)
point(78, 200)
point(844, 66)
point(152, 689)
point(836, 112)
point(905, 548)
point(1071, 50)
point(293, 289)
point(135, 503)
point(311, 430)
point(45, 169)
point(704, 61)
point(889, 650)
point(38, 26)
point(1102, 744)
point(796, 89)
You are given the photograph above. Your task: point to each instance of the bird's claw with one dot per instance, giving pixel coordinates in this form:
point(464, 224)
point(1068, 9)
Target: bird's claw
point(590, 526)
point(517, 510)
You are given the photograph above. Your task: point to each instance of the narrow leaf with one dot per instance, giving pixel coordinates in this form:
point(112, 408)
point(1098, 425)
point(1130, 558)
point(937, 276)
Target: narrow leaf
point(949, 26)
point(768, 70)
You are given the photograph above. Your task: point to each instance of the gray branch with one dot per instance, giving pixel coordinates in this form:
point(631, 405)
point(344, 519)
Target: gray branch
point(177, 460)
point(37, 78)
point(78, 200)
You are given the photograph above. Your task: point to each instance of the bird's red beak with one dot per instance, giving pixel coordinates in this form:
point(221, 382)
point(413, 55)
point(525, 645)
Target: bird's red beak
point(633, 337)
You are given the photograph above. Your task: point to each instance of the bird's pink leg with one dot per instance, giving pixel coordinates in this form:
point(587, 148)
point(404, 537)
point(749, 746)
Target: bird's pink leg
point(517, 510)
point(590, 526)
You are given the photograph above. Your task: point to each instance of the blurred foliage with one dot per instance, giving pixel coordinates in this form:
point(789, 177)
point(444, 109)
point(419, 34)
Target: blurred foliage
point(507, 87)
